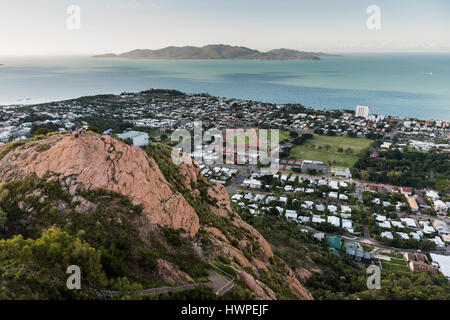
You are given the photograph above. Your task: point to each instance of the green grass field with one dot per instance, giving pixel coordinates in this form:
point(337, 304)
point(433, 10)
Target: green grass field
point(283, 135)
point(394, 264)
point(157, 135)
point(315, 149)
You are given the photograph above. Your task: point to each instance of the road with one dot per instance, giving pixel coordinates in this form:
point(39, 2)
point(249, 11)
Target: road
point(359, 188)
point(218, 283)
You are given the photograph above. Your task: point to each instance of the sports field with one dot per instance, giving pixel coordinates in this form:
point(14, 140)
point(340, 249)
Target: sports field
point(325, 149)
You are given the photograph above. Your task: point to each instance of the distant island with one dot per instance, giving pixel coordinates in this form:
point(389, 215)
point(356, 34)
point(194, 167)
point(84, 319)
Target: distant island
point(216, 52)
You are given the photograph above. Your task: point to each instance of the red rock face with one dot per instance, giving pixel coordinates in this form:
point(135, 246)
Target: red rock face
point(100, 162)
point(94, 162)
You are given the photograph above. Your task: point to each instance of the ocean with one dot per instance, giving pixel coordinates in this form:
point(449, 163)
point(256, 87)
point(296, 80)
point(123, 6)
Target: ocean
point(405, 85)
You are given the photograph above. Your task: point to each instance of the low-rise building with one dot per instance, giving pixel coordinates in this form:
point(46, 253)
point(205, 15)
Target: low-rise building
point(440, 207)
point(413, 204)
point(136, 137)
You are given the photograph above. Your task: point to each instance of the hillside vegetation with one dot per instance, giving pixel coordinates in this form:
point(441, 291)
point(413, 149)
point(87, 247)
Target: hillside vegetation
point(332, 276)
point(54, 213)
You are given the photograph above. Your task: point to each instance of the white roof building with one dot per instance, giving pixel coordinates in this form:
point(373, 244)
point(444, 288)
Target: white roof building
point(259, 197)
point(387, 234)
point(291, 214)
point(433, 195)
point(303, 219)
point(335, 221)
point(236, 197)
point(343, 184)
point(320, 207)
point(428, 229)
point(333, 185)
point(332, 208)
point(319, 236)
point(317, 219)
point(346, 209)
point(307, 204)
point(270, 199)
point(440, 206)
point(248, 196)
point(347, 224)
point(443, 262)
point(333, 194)
point(343, 197)
point(283, 200)
point(410, 223)
point(397, 224)
point(385, 224)
point(252, 183)
point(415, 235)
point(138, 138)
point(439, 242)
point(441, 226)
point(403, 235)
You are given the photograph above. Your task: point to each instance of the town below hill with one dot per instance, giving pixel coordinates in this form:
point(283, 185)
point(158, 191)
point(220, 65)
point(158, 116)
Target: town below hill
point(353, 189)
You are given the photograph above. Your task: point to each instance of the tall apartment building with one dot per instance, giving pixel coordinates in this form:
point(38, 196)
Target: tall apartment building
point(362, 111)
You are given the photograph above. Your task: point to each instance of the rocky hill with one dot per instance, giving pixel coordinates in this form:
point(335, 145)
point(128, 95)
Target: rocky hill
point(216, 51)
point(148, 221)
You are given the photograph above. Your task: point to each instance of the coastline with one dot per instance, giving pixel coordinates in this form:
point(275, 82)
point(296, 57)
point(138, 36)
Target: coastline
point(23, 102)
point(389, 84)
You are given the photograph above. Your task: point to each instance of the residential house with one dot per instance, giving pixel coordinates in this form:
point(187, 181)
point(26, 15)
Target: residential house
point(407, 192)
point(317, 219)
point(343, 197)
point(440, 207)
point(346, 209)
point(413, 204)
point(335, 221)
point(332, 208)
point(387, 235)
point(410, 223)
point(291, 214)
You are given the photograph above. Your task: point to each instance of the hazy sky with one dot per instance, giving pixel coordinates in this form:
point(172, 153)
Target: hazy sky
point(40, 26)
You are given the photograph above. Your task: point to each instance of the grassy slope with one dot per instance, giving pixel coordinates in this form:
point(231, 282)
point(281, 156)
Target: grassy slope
point(305, 152)
point(113, 229)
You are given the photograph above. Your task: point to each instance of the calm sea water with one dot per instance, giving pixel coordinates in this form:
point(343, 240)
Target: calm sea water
point(415, 85)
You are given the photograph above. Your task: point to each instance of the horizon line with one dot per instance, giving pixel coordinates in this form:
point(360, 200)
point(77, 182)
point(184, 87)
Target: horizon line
point(314, 51)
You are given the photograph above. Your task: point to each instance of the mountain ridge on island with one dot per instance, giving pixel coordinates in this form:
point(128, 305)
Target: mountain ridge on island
point(216, 52)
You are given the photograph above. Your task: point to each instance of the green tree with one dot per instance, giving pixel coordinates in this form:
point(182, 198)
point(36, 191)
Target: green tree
point(93, 129)
point(41, 132)
point(36, 269)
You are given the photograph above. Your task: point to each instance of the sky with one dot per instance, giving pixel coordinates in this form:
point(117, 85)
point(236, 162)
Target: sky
point(39, 27)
